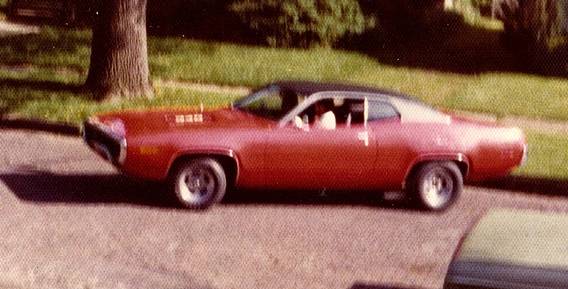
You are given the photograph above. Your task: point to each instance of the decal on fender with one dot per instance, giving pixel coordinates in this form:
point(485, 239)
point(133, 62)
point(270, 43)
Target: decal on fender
point(188, 118)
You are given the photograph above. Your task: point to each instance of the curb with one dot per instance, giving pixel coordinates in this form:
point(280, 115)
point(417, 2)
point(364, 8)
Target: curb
point(40, 125)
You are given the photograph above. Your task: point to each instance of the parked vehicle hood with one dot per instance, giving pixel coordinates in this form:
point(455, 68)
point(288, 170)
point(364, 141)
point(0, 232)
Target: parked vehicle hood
point(512, 249)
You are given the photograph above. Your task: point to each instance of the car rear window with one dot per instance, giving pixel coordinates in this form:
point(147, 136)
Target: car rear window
point(380, 110)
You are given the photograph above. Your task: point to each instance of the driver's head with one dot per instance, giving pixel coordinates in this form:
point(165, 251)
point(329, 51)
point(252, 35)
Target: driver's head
point(324, 106)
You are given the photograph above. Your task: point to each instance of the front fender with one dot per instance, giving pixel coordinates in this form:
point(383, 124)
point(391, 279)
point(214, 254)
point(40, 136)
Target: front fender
point(206, 151)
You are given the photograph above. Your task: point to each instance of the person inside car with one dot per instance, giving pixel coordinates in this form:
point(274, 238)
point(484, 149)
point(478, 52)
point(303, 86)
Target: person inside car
point(325, 118)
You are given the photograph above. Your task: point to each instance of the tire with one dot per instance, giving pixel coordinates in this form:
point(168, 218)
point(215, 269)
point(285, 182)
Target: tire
point(198, 183)
point(436, 185)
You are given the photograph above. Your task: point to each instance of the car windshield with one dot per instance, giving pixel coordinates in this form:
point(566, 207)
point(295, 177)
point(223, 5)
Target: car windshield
point(271, 102)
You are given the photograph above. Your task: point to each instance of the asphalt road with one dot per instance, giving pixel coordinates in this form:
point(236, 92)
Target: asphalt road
point(67, 220)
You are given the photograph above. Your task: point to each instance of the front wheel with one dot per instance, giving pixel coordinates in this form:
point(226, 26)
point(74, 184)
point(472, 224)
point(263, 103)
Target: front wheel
point(199, 183)
point(436, 185)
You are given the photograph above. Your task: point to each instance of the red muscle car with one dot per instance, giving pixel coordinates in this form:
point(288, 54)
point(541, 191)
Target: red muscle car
point(307, 135)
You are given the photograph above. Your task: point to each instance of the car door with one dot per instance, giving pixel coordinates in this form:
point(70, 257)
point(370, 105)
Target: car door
point(393, 153)
point(320, 158)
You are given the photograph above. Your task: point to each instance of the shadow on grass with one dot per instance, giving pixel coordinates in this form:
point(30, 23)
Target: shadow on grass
point(208, 29)
point(41, 85)
point(17, 94)
point(451, 46)
point(55, 45)
point(47, 187)
point(532, 185)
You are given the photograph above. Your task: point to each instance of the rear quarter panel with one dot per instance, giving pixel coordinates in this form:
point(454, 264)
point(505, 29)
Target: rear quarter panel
point(489, 151)
point(401, 146)
point(496, 152)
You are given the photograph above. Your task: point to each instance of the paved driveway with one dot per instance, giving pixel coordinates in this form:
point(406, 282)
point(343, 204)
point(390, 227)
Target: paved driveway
point(68, 221)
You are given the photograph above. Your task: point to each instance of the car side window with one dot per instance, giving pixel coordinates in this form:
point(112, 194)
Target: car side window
point(354, 112)
point(347, 111)
point(270, 103)
point(379, 110)
point(320, 115)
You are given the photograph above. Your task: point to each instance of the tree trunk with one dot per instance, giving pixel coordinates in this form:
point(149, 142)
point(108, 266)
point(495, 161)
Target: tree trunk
point(119, 53)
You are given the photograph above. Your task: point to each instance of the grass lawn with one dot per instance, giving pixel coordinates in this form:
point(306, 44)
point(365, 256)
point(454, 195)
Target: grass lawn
point(64, 55)
point(57, 97)
point(548, 157)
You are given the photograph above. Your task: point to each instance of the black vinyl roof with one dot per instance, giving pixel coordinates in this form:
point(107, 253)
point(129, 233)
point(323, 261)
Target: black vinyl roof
point(311, 87)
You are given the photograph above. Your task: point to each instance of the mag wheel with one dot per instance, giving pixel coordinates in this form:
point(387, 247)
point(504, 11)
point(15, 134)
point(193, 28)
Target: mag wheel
point(436, 185)
point(199, 183)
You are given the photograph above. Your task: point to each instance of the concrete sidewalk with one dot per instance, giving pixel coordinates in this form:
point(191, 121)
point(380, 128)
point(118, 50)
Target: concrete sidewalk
point(7, 28)
point(547, 126)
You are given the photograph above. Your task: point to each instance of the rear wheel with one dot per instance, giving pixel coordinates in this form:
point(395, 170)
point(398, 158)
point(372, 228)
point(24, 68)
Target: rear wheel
point(199, 183)
point(436, 185)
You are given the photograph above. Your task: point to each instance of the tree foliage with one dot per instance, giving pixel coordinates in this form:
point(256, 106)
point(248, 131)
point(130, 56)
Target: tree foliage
point(302, 23)
point(538, 30)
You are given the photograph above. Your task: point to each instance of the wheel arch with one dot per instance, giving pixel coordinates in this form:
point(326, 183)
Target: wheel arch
point(459, 159)
point(226, 158)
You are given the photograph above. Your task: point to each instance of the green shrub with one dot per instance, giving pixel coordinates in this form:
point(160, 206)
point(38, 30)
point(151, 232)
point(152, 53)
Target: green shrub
point(302, 23)
point(538, 31)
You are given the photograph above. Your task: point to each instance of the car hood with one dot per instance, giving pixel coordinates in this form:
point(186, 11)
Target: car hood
point(512, 249)
point(165, 120)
